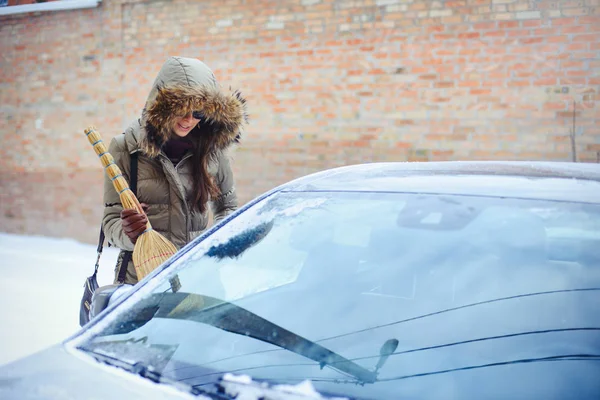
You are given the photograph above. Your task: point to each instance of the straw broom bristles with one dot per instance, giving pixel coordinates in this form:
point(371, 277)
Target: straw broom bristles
point(151, 248)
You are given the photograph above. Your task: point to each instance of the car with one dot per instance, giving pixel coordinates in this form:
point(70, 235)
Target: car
point(416, 280)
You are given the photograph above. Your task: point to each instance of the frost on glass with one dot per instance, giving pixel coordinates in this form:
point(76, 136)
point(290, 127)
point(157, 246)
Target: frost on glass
point(275, 263)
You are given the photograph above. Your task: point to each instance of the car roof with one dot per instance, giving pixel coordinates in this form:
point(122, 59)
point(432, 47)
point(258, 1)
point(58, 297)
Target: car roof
point(559, 181)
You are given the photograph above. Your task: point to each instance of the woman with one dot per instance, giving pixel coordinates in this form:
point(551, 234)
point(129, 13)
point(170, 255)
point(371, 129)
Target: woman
point(182, 140)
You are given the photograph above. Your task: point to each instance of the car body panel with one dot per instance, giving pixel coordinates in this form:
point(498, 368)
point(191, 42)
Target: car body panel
point(56, 373)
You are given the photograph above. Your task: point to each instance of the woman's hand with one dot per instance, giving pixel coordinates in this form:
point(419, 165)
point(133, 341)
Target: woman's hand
point(134, 223)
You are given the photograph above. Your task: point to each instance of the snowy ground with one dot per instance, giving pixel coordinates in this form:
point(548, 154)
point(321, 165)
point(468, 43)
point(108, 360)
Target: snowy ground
point(40, 289)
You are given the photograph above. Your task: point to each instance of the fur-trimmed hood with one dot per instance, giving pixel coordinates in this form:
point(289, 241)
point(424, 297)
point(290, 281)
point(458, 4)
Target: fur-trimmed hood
point(185, 85)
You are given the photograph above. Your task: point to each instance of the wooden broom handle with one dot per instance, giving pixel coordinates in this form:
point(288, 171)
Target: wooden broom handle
point(112, 169)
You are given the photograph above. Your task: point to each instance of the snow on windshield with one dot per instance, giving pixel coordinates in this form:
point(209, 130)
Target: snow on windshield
point(244, 388)
point(261, 214)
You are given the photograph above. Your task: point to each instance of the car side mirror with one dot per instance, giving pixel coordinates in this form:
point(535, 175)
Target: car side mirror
point(106, 295)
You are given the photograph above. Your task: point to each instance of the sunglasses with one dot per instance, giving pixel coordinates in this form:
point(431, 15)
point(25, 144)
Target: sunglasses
point(198, 115)
point(195, 115)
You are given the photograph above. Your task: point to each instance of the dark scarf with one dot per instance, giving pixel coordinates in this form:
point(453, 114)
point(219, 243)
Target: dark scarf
point(175, 148)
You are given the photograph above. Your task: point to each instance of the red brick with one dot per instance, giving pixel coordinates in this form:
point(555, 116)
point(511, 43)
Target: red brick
point(532, 40)
point(442, 154)
point(575, 80)
point(570, 12)
point(577, 47)
point(577, 73)
point(587, 38)
point(534, 23)
point(566, 114)
point(469, 84)
point(564, 21)
point(496, 50)
point(469, 35)
point(519, 33)
point(555, 105)
point(444, 84)
point(508, 24)
point(584, 55)
point(525, 74)
point(546, 31)
point(494, 34)
point(444, 36)
point(574, 29)
point(432, 61)
point(589, 20)
point(480, 26)
point(469, 51)
point(518, 83)
point(435, 28)
point(478, 92)
point(437, 137)
point(557, 39)
point(419, 70)
point(572, 64)
point(454, 19)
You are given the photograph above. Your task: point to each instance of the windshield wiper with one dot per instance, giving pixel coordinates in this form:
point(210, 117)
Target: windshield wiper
point(235, 319)
point(150, 373)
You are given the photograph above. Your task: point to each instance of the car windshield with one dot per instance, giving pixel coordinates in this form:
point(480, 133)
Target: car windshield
point(380, 295)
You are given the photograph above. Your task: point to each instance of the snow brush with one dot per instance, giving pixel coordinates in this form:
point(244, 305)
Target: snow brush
point(151, 248)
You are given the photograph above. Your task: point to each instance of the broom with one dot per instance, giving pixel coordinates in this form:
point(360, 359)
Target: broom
point(151, 248)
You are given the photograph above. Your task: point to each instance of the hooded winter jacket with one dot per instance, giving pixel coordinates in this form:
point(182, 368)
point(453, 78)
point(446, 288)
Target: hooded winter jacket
point(183, 85)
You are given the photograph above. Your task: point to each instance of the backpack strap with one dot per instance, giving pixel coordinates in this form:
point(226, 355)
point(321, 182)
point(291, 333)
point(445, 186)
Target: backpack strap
point(99, 249)
point(133, 186)
point(134, 172)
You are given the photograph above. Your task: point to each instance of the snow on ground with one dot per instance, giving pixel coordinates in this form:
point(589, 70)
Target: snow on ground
point(40, 290)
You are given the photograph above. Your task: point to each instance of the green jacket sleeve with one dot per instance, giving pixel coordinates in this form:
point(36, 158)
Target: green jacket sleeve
point(227, 202)
point(111, 220)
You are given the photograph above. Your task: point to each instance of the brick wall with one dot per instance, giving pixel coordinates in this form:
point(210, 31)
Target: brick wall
point(328, 83)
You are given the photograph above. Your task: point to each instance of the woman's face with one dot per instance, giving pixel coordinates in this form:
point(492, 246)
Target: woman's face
point(183, 125)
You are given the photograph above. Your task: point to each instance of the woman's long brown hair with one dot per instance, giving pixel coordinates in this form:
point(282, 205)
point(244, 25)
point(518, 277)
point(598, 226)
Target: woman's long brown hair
point(204, 188)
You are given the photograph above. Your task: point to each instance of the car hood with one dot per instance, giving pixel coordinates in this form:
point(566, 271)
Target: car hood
point(56, 373)
point(59, 374)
